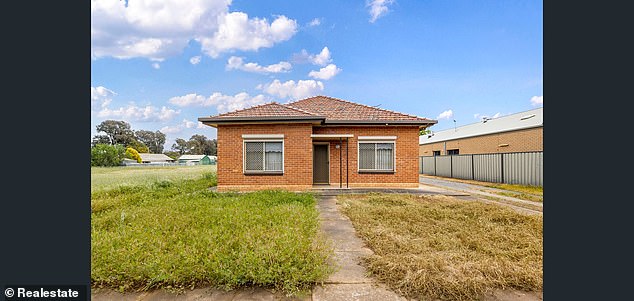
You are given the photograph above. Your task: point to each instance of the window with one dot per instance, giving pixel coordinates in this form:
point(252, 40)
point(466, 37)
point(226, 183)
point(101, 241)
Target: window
point(263, 156)
point(436, 153)
point(376, 156)
point(453, 152)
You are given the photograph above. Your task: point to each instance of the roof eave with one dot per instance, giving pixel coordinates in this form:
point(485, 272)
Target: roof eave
point(382, 122)
point(214, 122)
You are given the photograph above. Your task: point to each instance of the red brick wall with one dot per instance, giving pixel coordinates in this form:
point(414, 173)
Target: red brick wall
point(298, 158)
point(406, 174)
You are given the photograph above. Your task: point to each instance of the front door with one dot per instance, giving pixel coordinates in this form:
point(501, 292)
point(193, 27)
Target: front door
point(320, 164)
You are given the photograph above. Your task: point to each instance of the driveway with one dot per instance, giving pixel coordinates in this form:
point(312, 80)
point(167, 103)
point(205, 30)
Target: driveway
point(483, 193)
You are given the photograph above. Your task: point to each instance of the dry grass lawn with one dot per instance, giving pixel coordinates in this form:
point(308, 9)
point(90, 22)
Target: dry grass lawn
point(441, 247)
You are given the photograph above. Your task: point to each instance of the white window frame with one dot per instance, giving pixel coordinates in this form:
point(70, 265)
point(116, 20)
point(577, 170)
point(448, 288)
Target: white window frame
point(263, 171)
point(362, 141)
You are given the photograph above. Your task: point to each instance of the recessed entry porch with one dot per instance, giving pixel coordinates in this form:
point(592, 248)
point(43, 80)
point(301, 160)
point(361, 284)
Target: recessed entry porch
point(322, 159)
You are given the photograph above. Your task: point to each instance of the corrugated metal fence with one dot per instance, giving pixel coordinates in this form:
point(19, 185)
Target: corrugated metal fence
point(526, 168)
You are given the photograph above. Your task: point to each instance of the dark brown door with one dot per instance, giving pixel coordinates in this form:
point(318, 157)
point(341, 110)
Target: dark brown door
point(320, 164)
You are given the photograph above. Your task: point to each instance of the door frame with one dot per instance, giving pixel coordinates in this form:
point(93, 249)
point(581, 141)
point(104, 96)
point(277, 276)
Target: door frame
point(328, 162)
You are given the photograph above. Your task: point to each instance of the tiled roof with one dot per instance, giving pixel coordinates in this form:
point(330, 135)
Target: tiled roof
point(271, 109)
point(338, 109)
point(154, 157)
point(191, 157)
point(327, 109)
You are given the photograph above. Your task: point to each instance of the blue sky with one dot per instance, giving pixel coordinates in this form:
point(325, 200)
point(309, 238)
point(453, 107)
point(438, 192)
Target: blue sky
point(160, 65)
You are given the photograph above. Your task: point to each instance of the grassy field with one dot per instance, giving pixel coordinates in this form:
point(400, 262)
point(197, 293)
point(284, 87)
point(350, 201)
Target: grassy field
point(440, 247)
point(111, 177)
point(178, 234)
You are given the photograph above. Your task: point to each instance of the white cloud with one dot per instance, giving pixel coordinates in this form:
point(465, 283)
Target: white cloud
point(101, 96)
point(223, 103)
point(171, 129)
point(194, 60)
point(314, 22)
point(537, 100)
point(378, 8)
point(136, 113)
point(153, 30)
point(325, 73)
point(237, 31)
point(185, 124)
point(292, 89)
point(156, 65)
point(235, 62)
point(445, 115)
point(321, 59)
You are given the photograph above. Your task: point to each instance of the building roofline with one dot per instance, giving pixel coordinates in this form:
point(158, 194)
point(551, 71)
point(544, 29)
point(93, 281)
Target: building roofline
point(484, 134)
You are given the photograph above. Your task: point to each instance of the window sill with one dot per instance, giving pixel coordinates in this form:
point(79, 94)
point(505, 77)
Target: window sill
point(376, 171)
point(263, 173)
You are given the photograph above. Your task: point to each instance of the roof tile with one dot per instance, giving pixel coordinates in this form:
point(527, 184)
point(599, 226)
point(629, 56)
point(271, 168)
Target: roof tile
point(329, 108)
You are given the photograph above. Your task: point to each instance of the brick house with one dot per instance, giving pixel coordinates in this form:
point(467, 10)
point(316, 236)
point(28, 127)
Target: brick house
point(316, 141)
point(519, 132)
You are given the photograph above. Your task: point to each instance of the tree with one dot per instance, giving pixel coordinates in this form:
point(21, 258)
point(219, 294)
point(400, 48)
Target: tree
point(153, 140)
point(172, 154)
point(116, 132)
point(131, 153)
point(424, 132)
point(100, 139)
point(181, 146)
point(139, 146)
point(106, 155)
point(200, 145)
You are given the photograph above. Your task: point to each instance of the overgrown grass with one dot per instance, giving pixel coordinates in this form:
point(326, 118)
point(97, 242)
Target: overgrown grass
point(102, 178)
point(514, 203)
point(441, 247)
point(179, 234)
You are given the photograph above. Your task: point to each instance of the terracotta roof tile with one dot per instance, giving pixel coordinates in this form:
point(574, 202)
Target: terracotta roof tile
point(339, 109)
point(271, 109)
point(327, 108)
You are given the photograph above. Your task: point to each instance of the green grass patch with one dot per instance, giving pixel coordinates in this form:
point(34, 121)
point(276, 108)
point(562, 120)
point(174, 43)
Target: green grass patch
point(429, 247)
point(523, 196)
point(179, 234)
point(103, 178)
point(536, 190)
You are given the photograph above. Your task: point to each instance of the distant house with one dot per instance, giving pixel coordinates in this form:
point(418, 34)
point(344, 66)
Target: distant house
point(129, 162)
point(155, 158)
point(519, 132)
point(197, 159)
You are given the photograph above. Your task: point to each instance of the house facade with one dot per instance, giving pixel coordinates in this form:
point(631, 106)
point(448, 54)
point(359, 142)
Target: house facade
point(519, 132)
point(316, 141)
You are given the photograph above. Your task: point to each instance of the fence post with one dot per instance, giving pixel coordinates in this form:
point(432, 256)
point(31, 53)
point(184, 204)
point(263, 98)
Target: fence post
point(502, 166)
point(451, 166)
point(434, 165)
point(472, 169)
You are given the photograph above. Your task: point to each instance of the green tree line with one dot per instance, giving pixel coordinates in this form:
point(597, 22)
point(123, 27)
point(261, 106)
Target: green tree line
point(118, 141)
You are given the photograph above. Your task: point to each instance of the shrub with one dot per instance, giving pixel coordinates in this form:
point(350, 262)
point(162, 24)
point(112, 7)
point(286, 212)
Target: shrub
point(106, 155)
point(131, 153)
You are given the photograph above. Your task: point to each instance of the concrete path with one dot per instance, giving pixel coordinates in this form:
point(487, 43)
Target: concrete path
point(478, 190)
point(349, 282)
